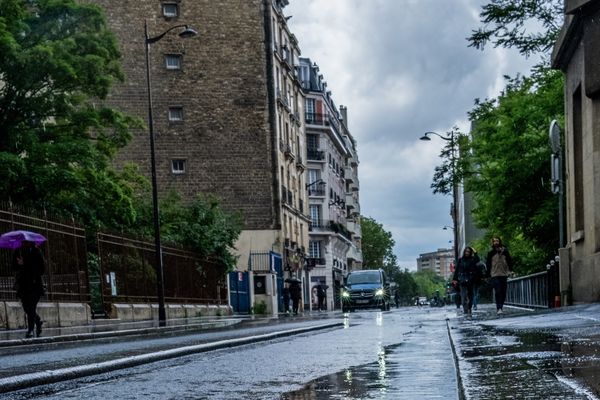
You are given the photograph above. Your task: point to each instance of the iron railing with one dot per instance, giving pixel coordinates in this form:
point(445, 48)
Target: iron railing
point(66, 276)
point(129, 273)
point(315, 154)
point(537, 290)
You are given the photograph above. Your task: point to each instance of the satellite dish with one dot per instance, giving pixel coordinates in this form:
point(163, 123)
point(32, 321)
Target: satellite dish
point(555, 136)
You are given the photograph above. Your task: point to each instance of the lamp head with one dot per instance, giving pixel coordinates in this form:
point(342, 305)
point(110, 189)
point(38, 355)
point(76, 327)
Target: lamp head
point(188, 33)
point(425, 137)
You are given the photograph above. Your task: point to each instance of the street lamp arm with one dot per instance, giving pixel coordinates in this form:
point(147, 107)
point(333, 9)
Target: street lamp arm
point(187, 32)
point(426, 136)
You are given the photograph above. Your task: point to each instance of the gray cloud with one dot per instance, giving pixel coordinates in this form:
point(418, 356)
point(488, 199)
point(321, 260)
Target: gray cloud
point(402, 67)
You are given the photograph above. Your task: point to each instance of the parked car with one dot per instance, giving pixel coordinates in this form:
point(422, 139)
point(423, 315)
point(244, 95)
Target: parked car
point(366, 289)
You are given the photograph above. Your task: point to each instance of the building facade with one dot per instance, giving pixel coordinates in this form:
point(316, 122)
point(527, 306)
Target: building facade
point(228, 110)
point(231, 113)
point(577, 54)
point(440, 262)
point(334, 247)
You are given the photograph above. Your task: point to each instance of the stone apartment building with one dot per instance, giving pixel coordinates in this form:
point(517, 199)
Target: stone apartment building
point(228, 110)
point(334, 247)
point(439, 261)
point(577, 54)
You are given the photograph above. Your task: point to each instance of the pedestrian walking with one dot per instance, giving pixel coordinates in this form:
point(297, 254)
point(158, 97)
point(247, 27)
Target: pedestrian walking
point(286, 298)
point(321, 296)
point(29, 266)
point(499, 265)
point(295, 295)
point(482, 272)
point(465, 275)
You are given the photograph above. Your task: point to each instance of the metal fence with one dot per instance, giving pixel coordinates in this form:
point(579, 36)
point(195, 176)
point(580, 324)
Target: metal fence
point(128, 273)
point(65, 253)
point(536, 290)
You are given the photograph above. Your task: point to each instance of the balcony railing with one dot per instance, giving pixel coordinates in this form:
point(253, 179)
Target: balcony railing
point(317, 224)
point(317, 191)
point(316, 118)
point(315, 155)
point(315, 262)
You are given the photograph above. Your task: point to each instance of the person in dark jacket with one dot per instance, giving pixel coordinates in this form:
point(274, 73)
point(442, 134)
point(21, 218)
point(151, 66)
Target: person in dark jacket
point(29, 266)
point(295, 295)
point(321, 296)
point(286, 299)
point(465, 275)
point(499, 265)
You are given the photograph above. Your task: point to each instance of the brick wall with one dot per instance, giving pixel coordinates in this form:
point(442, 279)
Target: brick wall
point(225, 136)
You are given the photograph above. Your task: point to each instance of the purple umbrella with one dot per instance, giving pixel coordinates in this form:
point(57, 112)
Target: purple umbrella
point(14, 239)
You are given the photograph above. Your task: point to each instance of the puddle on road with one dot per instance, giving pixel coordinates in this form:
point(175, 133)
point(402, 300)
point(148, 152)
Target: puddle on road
point(360, 382)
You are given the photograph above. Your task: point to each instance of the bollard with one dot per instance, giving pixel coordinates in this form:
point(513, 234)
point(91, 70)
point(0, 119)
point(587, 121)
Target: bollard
point(556, 301)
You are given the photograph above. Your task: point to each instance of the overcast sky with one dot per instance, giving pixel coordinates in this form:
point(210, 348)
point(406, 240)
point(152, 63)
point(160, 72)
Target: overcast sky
point(402, 67)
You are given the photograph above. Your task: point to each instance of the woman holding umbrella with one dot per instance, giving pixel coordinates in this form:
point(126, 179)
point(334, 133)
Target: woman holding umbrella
point(29, 266)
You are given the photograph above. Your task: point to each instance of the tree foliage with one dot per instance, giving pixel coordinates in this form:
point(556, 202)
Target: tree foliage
point(509, 165)
point(57, 62)
point(428, 282)
point(377, 245)
point(58, 138)
point(202, 226)
point(449, 172)
point(530, 26)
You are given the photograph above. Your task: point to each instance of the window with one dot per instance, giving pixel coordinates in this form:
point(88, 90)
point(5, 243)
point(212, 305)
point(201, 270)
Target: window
point(173, 61)
point(313, 176)
point(315, 215)
point(175, 114)
point(312, 142)
point(170, 10)
point(178, 166)
point(310, 110)
point(314, 249)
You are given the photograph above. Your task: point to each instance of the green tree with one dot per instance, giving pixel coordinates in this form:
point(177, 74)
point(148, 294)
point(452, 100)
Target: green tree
point(406, 285)
point(377, 245)
point(509, 166)
point(202, 226)
point(57, 63)
point(428, 282)
point(530, 26)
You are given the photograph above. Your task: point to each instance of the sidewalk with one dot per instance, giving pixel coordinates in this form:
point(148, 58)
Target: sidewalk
point(524, 354)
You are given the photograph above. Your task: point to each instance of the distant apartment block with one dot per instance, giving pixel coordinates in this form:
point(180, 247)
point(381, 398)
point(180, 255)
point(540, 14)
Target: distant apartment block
point(439, 261)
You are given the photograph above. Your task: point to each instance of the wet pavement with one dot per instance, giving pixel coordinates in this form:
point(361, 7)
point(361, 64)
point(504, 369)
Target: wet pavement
point(523, 354)
point(408, 353)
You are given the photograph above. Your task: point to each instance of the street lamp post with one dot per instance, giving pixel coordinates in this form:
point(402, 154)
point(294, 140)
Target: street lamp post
point(454, 209)
point(186, 33)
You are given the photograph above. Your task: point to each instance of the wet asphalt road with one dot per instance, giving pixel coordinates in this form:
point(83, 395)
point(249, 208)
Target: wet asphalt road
point(403, 353)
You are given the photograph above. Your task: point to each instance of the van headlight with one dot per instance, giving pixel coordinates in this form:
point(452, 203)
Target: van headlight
point(379, 292)
point(345, 294)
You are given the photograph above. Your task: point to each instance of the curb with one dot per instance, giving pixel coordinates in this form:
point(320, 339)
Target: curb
point(64, 374)
point(115, 333)
point(459, 382)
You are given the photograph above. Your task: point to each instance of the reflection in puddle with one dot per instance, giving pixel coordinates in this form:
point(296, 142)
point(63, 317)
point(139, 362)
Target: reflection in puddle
point(353, 383)
point(581, 361)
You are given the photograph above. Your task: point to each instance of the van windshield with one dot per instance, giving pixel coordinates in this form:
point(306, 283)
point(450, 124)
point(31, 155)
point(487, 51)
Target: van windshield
point(364, 277)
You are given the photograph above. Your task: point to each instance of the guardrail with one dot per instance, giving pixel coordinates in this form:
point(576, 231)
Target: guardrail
point(537, 290)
